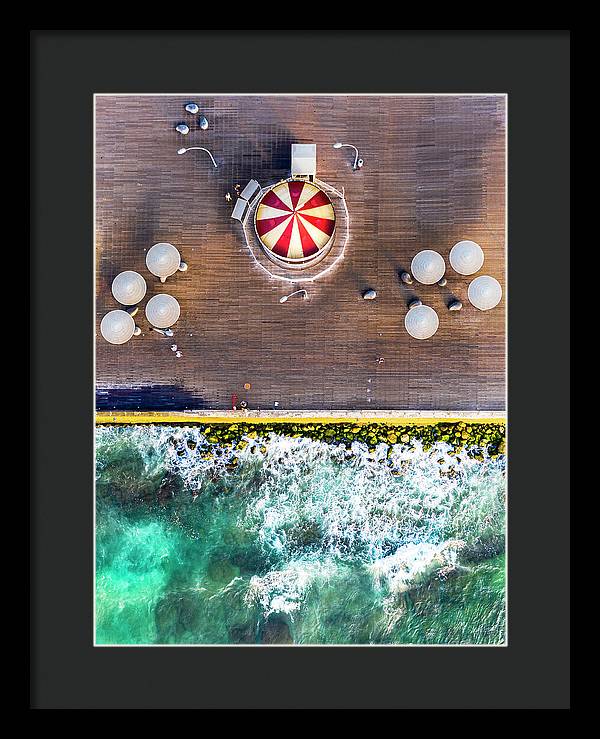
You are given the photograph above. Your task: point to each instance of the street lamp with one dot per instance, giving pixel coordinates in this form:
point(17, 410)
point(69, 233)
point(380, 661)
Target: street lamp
point(358, 163)
point(297, 292)
point(201, 148)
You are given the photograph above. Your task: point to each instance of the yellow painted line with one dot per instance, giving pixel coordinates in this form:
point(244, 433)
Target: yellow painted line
point(106, 417)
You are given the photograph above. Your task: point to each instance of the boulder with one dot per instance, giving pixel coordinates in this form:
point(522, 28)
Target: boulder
point(276, 631)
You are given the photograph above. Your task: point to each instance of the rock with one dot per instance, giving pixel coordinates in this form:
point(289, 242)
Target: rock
point(242, 634)
point(304, 535)
point(170, 486)
point(276, 631)
point(484, 548)
point(221, 571)
point(176, 615)
point(369, 295)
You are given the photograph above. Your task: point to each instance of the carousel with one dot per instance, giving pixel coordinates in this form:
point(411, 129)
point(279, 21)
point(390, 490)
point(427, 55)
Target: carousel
point(295, 223)
point(291, 226)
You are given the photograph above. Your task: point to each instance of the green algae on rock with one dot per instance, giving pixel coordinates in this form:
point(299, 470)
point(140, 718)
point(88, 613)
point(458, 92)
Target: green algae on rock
point(459, 435)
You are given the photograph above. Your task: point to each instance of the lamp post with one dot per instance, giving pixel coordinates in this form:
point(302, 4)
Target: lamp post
point(358, 163)
point(285, 298)
point(200, 148)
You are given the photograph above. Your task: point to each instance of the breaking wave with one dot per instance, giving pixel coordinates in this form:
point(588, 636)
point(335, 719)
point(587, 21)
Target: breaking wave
point(292, 539)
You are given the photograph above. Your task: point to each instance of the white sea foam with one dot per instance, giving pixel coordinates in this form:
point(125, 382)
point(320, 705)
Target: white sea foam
point(309, 504)
point(282, 591)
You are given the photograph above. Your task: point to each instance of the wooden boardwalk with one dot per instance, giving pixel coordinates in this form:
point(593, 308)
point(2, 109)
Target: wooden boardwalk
point(434, 173)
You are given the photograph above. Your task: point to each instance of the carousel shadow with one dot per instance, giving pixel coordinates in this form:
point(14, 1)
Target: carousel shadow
point(266, 159)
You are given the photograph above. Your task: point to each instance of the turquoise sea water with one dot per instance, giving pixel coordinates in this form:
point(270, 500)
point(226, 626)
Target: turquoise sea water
point(301, 542)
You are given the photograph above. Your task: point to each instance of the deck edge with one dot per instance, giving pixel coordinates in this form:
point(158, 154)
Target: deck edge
point(389, 417)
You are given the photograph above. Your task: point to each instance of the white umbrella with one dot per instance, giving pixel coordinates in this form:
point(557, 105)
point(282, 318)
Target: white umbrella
point(163, 260)
point(428, 267)
point(117, 327)
point(421, 322)
point(128, 288)
point(466, 257)
point(484, 292)
point(162, 311)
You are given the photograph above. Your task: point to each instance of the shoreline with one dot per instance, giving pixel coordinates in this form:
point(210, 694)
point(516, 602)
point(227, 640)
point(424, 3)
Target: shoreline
point(487, 435)
point(394, 417)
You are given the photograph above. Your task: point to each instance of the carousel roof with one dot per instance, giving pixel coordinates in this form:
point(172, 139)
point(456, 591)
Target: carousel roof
point(295, 219)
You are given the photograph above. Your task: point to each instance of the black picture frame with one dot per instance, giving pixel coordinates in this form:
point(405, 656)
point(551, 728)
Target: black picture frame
point(67, 68)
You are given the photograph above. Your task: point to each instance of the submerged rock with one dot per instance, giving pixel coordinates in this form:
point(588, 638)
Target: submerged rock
point(222, 571)
point(275, 631)
point(484, 548)
point(177, 616)
point(242, 634)
point(128, 478)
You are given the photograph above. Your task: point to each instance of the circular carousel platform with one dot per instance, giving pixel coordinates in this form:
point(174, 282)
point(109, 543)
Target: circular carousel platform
point(295, 224)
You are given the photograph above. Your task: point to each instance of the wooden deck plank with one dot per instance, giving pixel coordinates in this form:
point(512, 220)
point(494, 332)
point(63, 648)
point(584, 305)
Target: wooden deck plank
point(434, 174)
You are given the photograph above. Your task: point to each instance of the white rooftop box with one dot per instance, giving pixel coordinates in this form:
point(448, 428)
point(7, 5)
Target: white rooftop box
point(304, 160)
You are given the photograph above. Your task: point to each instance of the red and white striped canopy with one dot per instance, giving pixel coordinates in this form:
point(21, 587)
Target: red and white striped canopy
point(295, 220)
